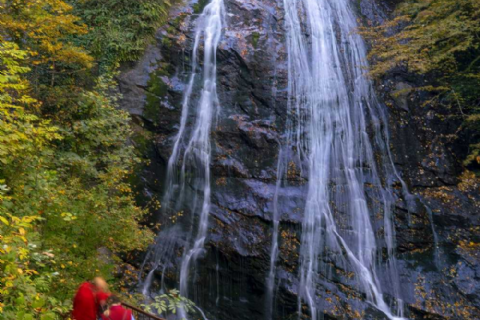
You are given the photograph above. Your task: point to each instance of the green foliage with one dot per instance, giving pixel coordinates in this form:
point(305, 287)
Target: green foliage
point(12, 86)
point(23, 138)
point(64, 195)
point(121, 29)
point(65, 160)
point(170, 303)
point(428, 35)
point(45, 29)
point(439, 39)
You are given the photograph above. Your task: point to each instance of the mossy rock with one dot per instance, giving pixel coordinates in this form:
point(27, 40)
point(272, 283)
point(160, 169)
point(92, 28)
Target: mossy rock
point(255, 38)
point(199, 6)
point(157, 91)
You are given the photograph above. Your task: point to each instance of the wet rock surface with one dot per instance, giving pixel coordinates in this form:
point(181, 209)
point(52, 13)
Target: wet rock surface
point(437, 232)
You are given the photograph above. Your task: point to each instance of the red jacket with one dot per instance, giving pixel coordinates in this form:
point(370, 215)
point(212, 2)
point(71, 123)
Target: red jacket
point(118, 313)
point(87, 302)
point(85, 306)
point(102, 300)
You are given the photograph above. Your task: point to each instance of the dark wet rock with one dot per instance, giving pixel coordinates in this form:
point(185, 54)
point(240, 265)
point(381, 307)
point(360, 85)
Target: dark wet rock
point(437, 233)
point(133, 82)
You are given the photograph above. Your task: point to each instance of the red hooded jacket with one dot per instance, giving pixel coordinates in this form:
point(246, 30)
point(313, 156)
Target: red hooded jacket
point(85, 306)
point(118, 313)
point(87, 301)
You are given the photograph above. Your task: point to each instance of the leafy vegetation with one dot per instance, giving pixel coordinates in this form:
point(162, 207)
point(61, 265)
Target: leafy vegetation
point(120, 29)
point(64, 156)
point(170, 303)
point(441, 40)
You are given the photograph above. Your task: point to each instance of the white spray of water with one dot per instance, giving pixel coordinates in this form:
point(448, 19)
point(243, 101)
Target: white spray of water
point(163, 255)
point(189, 163)
point(329, 101)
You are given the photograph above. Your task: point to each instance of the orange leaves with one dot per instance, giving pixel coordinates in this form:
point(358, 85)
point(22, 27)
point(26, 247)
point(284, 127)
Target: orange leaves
point(44, 27)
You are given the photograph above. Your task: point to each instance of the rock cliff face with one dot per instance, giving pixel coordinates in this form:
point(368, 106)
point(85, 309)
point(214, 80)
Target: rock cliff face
point(437, 238)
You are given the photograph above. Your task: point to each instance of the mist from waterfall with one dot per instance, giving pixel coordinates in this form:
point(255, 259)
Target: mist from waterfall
point(189, 163)
point(332, 109)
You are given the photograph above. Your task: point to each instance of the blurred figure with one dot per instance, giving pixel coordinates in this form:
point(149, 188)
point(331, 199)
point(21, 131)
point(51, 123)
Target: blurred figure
point(116, 311)
point(89, 299)
point(102, 294)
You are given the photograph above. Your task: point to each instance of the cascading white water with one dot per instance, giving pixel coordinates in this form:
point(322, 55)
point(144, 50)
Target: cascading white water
point(331, 106)
point(163, 255)
point(193, 168)
point(270, 283)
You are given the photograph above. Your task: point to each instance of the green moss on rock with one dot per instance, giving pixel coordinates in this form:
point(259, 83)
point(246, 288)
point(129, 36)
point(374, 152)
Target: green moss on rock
point(199, 6)
point(156, 92)
point(255, 38)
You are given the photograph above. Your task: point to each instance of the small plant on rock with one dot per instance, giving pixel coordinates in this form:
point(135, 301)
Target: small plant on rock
point(170, 303)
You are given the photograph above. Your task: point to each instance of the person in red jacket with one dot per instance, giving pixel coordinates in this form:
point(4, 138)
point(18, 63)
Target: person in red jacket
point(102, 294)
point(89, 299)
point(116, 311)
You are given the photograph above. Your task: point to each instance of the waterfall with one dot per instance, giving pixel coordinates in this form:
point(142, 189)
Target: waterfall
point(196, 158)
point(332, 109)
point(162, 254)
point(189, 163)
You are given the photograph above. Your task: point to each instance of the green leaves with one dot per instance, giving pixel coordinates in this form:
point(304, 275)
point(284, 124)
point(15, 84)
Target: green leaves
point(64, 159)
point(170, 303)
point(38, 303)
point(427, 35)
point(4, 221)
point(121, 29)
point(48, 316)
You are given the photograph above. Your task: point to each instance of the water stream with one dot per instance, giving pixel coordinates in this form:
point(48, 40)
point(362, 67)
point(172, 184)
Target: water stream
point(196, 158)
point(338, 129)
point(189, 163)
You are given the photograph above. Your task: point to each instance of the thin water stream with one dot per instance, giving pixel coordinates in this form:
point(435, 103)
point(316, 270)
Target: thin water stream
point(196, 158)
point(189, 163)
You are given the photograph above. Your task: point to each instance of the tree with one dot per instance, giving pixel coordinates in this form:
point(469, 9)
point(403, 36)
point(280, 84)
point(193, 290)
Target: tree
point(64, 163)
